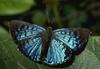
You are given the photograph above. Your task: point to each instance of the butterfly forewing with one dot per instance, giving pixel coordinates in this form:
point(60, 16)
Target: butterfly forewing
point(28, 38)
point(74, 38)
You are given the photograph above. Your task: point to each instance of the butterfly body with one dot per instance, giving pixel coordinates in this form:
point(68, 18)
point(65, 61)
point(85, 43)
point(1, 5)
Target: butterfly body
point(52, 47)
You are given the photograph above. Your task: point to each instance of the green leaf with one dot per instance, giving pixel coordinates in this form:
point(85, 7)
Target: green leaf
point(86, 60)
point(11, 7)
point(94, 45)
point(2, 64)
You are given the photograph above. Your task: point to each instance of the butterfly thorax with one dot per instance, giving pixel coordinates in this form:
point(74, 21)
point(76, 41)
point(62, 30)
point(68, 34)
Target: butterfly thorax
point(46, 43)
point(49, 34)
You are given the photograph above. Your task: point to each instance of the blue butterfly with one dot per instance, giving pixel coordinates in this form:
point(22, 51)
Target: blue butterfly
point(52, 49)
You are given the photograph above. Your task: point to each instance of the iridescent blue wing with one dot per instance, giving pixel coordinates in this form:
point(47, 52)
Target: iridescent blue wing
point(58, 53)
point(73, 38)
point(28, 37)
point(63, 42)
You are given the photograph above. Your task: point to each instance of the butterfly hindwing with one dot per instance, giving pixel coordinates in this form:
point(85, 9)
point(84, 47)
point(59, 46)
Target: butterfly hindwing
point(32, 48)
point(58, 53)
point(28, 38)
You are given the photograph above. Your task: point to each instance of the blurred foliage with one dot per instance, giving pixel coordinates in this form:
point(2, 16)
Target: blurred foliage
point(10, 7)
point(76, 17)
point(65, 13)
point(39, 18)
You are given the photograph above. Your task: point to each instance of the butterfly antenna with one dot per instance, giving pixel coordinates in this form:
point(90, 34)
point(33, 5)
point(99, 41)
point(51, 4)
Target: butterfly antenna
point(49, 13)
